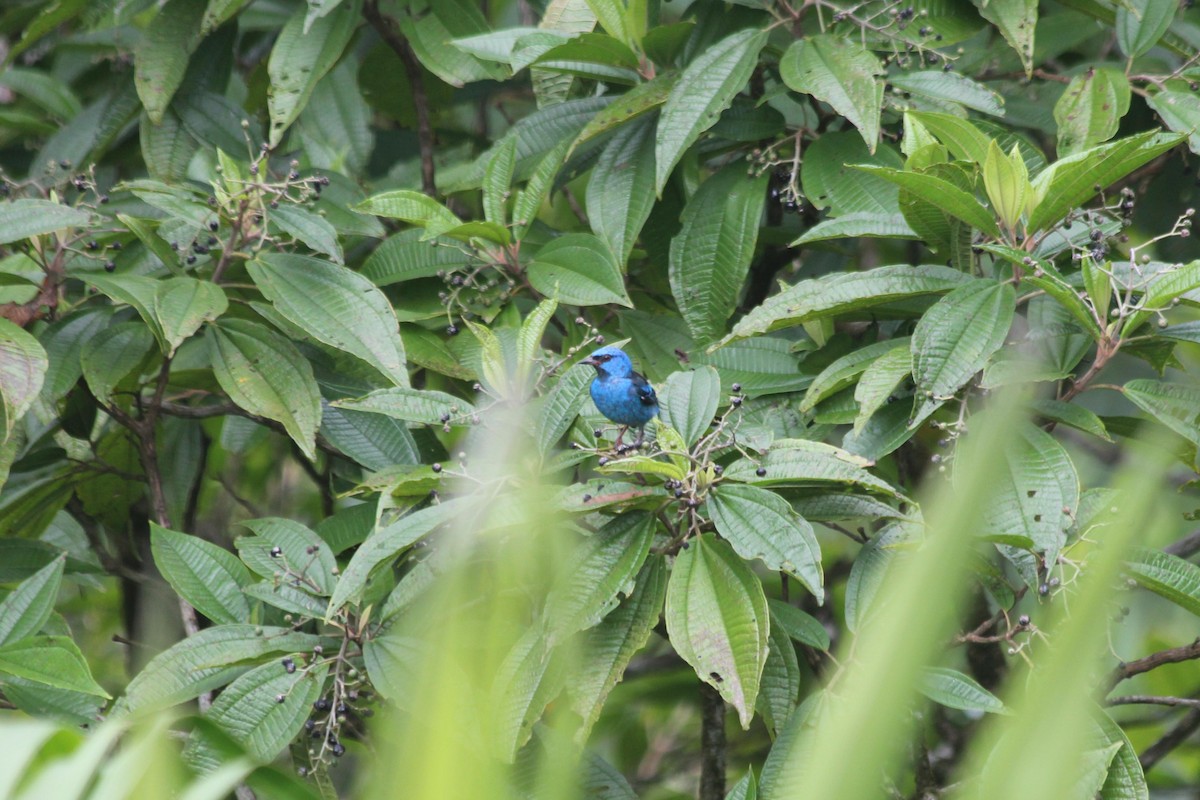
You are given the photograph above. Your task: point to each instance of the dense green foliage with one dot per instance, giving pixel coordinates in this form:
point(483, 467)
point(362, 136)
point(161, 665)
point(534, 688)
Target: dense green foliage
point(292, 300)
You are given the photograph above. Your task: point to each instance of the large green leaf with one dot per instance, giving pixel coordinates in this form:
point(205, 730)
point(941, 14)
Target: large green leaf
point(1091, 108)
point(160, 58)
point(264, 373)
point(589, 587)
point(955, 338)
point(964, 140)
point(842, 372)
point(207, 576)
point(718, 621)
point(300, 58)
point(50, 660)
point(760, 524)
point(182, 305)
point(312, 229)
point(1168, 576)
point(1181, 113)
point(29, 606)
point(578, 269)
point(841, 72)
point(430, 26)
point(1176, 405)
point(800, 625)
point(839, 292)
point(705, 89)
point(940, 85)
point(941, 193)
point(23, 365)
point(1141, 23)
point(336, 306)
point(780, 687)
point(611, 644)
point(206, 660)
point(801, 462)
point(878, 382)
point(629, 106)
point(1017, 21)
point(109, 356)
point(953, 689)
point(413, 405)
point(689, 402)
point(620, 193)
point(562, 404)
point(711, 254)
point(829, 182)
point(21, 219)
point(303, 556)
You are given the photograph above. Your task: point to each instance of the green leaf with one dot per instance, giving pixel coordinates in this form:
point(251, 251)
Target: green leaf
point(955, 338)
point(1072, 414)
point(112, 354)
point(867, 573)
point(941, 193)
point(301, 552)
point(578, 269)
point(842, 371)
point(562, 404)
point(689, 402)
point(50, 660)
point(308, 228)
point(529, 339)
point(610, 646)
point(744, 789)
point(603, 566)
point(182, 305)
point(412, 405)
point(879, 380)
point(430, 26)
point(950, 87)
point(287, 597)
point(160, 57)
point(592, 55)
point(301, 56)
point(22, 219)
point(1167, 576)
point(780, 688)
point(1007, 183)
point(209, 577)
point(718, 621)
point(711, 254)
point(1017, 20)
point(964, 140)
point(800, 462)
point(1090, 110)
point(629, 106)
point(1175, 405)
point(206, 660)
point(266, 375)
point(1141, 23)
point(1072, 181)
point(1125, 779)
point(839, 292)
point(842, 73)
point(385, 544)
point(620, 193)
point(801, 626)
point(829, 184)
point(858, 224)
point(497, 180)
point(530, 199)
point(953, 689)
point(410, 206)
point(760, 524)
point(23, 365)
point(334, 305)
point(705, 89)
point(29, 606)
point(1180, 111)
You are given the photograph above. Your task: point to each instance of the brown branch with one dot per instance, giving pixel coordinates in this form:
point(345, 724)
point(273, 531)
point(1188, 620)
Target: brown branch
point(1185, 547)
point(1154, 700)
point(712, 744)
point(1187, 652)
point(385, 27)
point(1171, 739)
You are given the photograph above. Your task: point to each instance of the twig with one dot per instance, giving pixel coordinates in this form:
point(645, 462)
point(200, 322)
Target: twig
point(1151, 699)
point(416, 79)
point(1171, 739)
point(1185, 547)
point(1187, 652)
point(712, 744)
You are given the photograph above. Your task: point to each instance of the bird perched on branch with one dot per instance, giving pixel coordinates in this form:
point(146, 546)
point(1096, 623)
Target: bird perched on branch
point(621, 394)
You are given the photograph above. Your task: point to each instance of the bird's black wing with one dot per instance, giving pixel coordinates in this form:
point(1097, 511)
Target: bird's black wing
point(645, 391)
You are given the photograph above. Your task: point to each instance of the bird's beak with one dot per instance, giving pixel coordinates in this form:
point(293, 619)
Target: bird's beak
point(591, 362)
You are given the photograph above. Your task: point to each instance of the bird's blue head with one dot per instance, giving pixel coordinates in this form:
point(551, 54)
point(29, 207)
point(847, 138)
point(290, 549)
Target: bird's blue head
point(610, 362)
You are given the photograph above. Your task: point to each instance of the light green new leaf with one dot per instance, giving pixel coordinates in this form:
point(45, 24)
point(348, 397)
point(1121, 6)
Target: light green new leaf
point(1017, 22)
point(941, 193)
point(718, 621)
point(308, 228)
point(760, 524)
point(839, 292)
point(21, 219)
point(705, 89)
point(1176, 405)
point(266, 375)
point(334, 305)
point(1168, 576)
point(953, 689)
point(207, 576)
point(711, 254)
point(1091, 109)
point(842, 73)
point(52, 660)
point(29, 606)
point(955, 338)
point(182, 305)
point(577, 268)
point(160, 58)
point(605, 564)
point(109, 356)
point(964, 140)
point(689, 402)
point(412, 405)
point(620, 193)
point(612, 644)
point(23, 365)
point(1007, 183)
point(415, 207)
point(300, 58)
point(1141, 23)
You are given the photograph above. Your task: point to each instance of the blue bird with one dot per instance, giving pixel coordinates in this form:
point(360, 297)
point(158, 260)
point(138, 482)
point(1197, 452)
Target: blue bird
point(621, 394)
